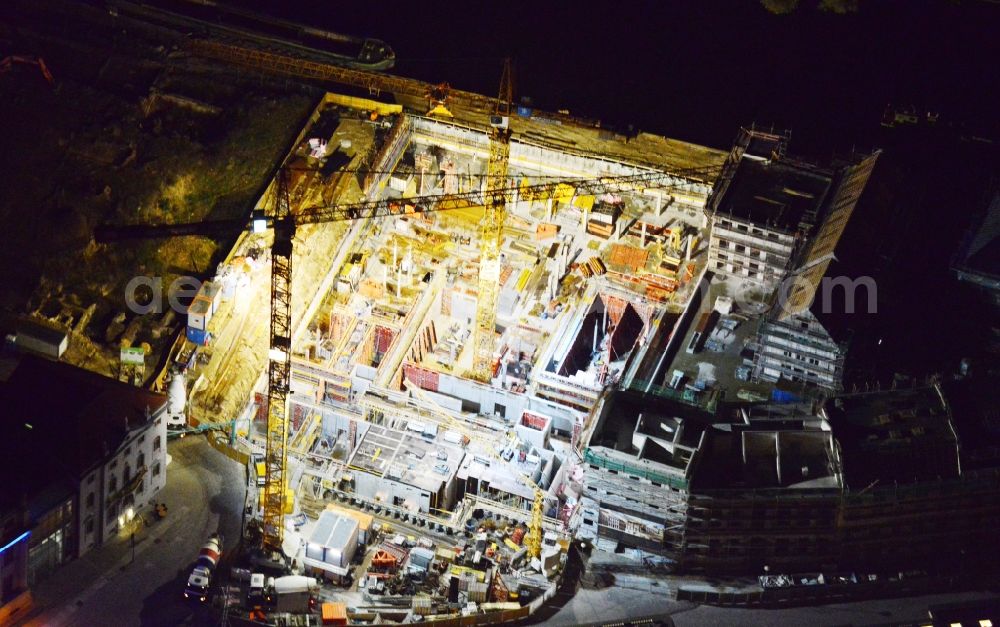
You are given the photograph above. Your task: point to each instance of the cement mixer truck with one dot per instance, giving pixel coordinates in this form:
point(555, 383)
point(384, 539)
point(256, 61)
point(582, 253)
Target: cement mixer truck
point(201, 576)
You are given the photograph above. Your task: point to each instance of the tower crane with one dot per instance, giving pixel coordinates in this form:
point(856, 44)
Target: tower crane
point(278, 215)
point(491, 230)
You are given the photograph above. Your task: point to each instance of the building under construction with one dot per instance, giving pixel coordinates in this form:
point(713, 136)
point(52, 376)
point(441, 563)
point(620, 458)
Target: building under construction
point(388, 409)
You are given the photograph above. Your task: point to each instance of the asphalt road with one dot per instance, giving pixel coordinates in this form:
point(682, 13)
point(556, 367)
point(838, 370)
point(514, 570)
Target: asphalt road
point(635, 595)
point(204, 492)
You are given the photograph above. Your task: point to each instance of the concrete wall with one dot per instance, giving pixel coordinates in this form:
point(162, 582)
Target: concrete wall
point(370, 486)
point(528, 156)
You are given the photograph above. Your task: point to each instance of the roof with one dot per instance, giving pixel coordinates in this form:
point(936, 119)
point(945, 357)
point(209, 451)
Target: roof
point(980, 252)
point(41, 330)
point(763, 459)
point(975, 414)
point(364, 520)
point(59, 421)
point(619, 419)
point(775, 194)
point(333, 531)
point(901, 436)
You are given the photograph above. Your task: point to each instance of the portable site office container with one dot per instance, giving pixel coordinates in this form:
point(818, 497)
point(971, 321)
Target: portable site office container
point(198, 336)
point(212, 292)
point(199, 314)
point(42, 339)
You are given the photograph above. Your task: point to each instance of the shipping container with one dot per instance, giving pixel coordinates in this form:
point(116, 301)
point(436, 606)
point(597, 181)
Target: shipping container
point(212, 292)
point(199, 314)
point(198, 336)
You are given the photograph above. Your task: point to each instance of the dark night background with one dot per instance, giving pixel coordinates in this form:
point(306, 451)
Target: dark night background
point(699, 70)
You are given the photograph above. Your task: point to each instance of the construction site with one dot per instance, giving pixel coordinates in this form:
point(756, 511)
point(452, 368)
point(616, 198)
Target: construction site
point(441, 372)
point(411, 340)
point(407, 341)
point(397, 352)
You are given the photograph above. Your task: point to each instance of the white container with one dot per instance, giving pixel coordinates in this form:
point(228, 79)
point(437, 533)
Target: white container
point(200, 314)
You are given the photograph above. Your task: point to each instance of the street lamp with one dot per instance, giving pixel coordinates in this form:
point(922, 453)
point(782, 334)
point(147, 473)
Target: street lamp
point(129, 516)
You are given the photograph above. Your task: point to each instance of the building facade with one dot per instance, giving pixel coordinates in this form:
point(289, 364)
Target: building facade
point(799, 349)
point(775, 217)
point(98, 455)
point(868, 482)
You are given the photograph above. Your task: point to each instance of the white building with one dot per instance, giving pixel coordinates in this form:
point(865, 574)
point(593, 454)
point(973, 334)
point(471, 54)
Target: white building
point(98, 450)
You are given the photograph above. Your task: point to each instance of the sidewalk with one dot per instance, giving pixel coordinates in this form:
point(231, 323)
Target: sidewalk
point(70, 585)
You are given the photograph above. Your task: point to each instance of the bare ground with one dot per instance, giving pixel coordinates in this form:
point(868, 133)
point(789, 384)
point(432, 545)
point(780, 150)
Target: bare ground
point(132, 131)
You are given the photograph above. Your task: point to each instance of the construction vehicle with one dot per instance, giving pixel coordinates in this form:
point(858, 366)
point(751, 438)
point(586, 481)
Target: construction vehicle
point(201, 575)
point(278, 216)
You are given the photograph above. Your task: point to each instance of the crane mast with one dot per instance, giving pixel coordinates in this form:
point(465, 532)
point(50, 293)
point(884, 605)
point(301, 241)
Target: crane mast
point(279, 365)
point(491, 230)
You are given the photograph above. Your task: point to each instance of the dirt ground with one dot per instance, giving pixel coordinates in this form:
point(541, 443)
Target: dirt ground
point(131, 131)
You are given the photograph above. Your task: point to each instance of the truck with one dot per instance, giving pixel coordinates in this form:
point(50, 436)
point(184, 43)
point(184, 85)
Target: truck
point(294, 593)
point(201, 575)
point(701, 332)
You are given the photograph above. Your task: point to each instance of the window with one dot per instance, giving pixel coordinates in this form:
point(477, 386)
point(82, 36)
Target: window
point(140, 461)
point(128, 449)
point(88, 525)
point(142, 438)
point(156, 469)
point(90, 500)
point(113, 484)
point(90, 479)
point(156, 443)
point(114, 464)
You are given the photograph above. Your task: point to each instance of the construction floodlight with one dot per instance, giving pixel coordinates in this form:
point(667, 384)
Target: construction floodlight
point(258, 221)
